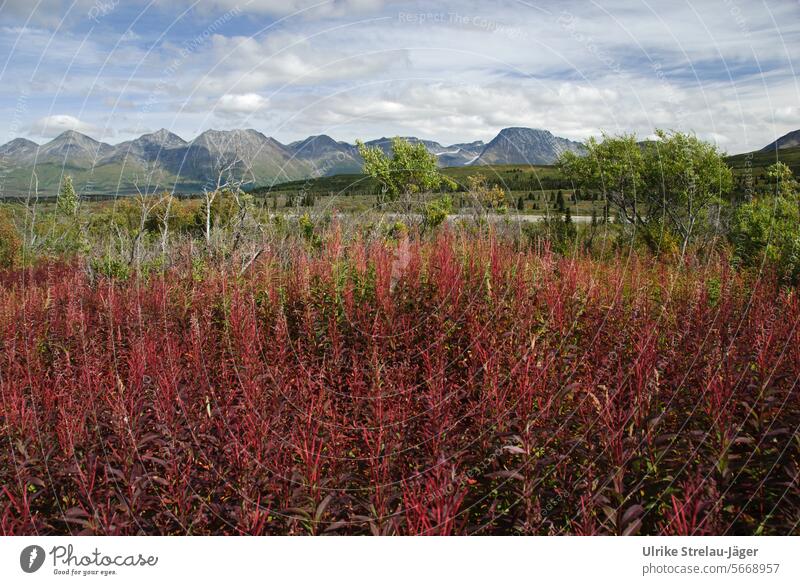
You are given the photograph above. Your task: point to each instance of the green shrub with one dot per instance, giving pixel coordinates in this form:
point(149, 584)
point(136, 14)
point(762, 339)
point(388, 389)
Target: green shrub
point(111, 267)
point(308, 230)
point(436, 211)
point(396, 230)
point(181, 216)
point(224, 208)
point(560, 231)
point(10, 242)
point(67, 201)
point(768, 230)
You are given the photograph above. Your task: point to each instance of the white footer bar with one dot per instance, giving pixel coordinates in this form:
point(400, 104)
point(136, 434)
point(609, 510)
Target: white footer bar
point(354, 560)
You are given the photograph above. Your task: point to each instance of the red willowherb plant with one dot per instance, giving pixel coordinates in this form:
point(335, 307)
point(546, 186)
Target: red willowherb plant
point(458, 385)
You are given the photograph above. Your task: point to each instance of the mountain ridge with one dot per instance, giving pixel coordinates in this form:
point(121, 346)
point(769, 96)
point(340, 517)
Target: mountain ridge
point(788, 140)
point(195, 164)
point(526, 146)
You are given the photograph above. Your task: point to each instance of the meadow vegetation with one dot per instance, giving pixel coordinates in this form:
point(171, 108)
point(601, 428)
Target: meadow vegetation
point(219, 366)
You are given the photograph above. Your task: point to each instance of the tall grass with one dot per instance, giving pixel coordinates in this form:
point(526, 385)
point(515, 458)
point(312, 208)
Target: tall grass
point(462, 385)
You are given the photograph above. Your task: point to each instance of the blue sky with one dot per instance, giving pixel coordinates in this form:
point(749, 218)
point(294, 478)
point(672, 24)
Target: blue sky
point(448, 71)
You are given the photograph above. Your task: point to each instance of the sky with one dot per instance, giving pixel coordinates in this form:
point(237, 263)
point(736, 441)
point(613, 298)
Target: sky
point(441, 70)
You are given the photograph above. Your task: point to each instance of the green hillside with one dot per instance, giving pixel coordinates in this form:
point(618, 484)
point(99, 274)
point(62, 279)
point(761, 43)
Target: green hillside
point(520, 178)
point(105, 180)
point(761, 160)
point(510, 177)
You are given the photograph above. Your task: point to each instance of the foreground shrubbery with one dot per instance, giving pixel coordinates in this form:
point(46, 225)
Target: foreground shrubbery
point(10, 242)
point(457, 386)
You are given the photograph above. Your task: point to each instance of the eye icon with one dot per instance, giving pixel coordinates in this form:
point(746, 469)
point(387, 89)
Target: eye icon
point(31, 558)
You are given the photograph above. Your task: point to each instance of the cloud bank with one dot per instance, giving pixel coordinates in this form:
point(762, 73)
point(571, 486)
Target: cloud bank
point(443, 70)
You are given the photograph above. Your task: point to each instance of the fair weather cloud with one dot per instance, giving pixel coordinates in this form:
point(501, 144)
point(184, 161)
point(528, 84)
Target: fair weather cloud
point(52, 126)
point(247, 103)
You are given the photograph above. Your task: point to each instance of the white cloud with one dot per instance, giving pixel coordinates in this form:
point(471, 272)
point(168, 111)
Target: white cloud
point(51, 126)
point(247, 103)
point(719, 139)
point(305, 8)
point(787, 115)
point(250, 64)
point(129, 36)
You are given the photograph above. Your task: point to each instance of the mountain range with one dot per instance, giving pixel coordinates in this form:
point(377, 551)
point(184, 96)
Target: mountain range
point(165, 160)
